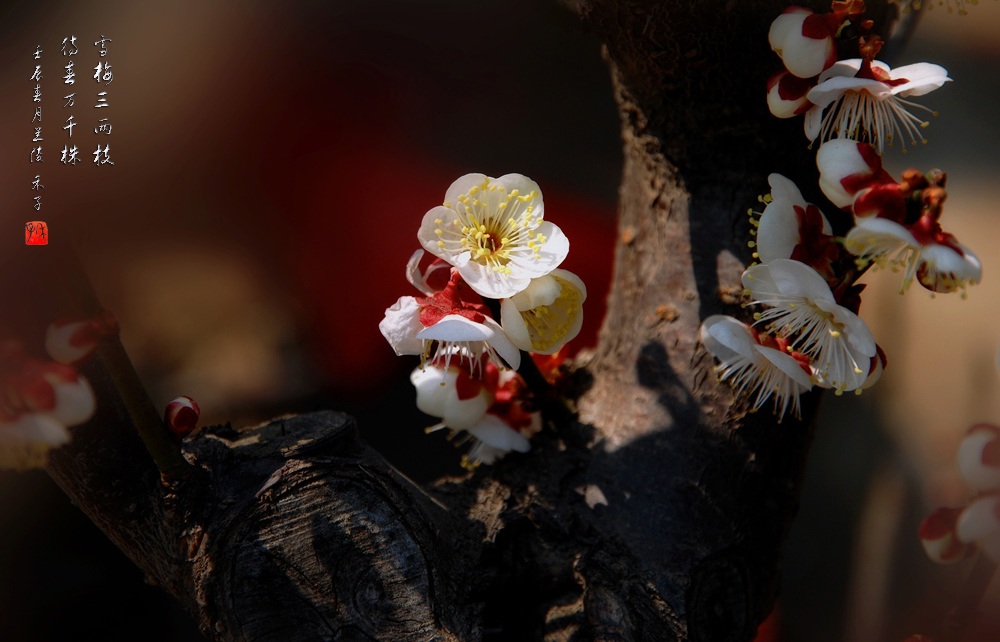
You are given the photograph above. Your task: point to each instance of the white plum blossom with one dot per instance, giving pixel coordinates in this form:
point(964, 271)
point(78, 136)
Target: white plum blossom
point(784, 219)
point(492, 230)
point(488, 408)
point(979, 458)
point(931, 256)
point(979, 524)
point(941, 543)
point(866, 100)
point(753, 367)
point(547, 314)
point(804, 40)
point(804, 310)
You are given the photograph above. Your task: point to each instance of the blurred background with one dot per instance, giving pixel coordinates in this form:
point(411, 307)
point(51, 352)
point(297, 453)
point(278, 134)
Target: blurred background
point(272, 163)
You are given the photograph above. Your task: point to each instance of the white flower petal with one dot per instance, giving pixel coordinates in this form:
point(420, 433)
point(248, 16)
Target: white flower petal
point(543, 290)
point(503, 346)
point(813, 124)
point(786, 364)
point(433, 384)
point(401, 325)
point(923, 77)
point(977, 474)
point(462, 186)
point(75, 403)
point(495, 432)
point(837, 159)
point(830, 90)
point(942, 269)
point(551, 254)
point(726, 338)
point(805, 57)
point(979, 520)
point(454, 328)
point(783, 189)
point(514, 325)
point(462, 414)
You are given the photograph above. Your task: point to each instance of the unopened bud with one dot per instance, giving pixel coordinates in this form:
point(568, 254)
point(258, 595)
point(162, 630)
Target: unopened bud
point(181, 416)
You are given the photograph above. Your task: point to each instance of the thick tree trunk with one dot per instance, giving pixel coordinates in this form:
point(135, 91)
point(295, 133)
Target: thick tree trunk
point(659, 515)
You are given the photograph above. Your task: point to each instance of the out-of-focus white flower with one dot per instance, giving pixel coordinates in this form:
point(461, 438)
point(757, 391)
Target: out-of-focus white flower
point(754, 367)
point(786, 94)
point(72, 340)
point(26, 441)
point(804, 310)
point(864, 99)
point(38, 401)
point(805, 40)
point(846, 167)
point(937, 534)
point(492, 230)
point(979, 458)
point(979, 524)
point(787, 221)
point(547, 314)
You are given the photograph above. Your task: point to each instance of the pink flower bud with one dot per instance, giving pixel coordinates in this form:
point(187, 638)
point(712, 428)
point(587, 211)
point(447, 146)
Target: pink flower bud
point(805, 40)
point(979, 458)
point(937, 534)
point(181, 416)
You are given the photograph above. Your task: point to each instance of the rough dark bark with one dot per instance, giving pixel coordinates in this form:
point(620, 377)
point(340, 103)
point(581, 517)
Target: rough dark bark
point(659, 515)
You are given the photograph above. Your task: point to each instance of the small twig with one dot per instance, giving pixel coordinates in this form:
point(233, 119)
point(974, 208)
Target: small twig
point(963, 614)
point(158, 440)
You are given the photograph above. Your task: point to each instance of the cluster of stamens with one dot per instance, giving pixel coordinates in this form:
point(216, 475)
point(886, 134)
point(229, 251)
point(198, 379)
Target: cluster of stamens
point(493, 226)
point(549, 324)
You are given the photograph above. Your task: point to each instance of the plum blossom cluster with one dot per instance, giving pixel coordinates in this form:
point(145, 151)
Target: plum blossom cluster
point(858, 98)
point(491, 288)
point(41, 399)
point(807, 332)
point(805, 289)
point(953, 534)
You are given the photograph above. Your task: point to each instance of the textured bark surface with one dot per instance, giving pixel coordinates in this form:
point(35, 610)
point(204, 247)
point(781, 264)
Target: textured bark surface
point(658, 515)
